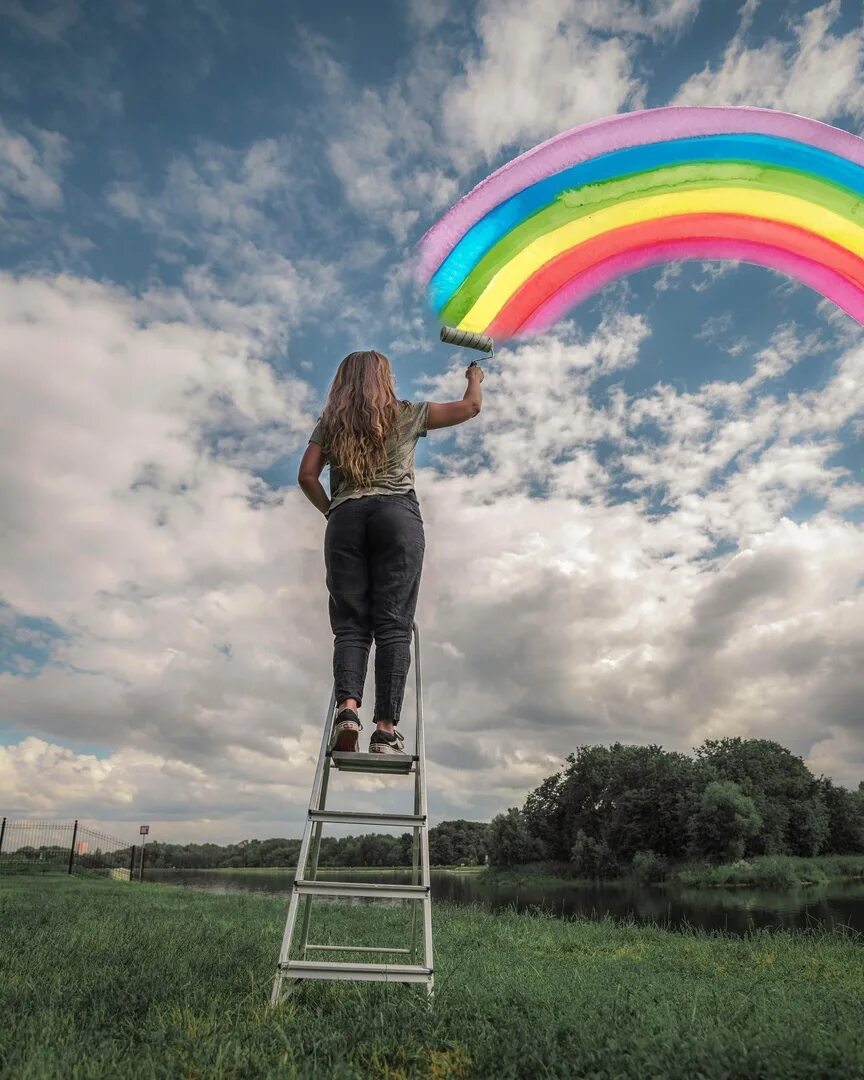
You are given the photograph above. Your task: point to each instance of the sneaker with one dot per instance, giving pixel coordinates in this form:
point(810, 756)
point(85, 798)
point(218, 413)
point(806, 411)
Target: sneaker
point(386, 742)
point(346, 731)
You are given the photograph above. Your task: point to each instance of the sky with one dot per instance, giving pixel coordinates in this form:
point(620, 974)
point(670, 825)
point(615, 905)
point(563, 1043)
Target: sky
point(652, 533)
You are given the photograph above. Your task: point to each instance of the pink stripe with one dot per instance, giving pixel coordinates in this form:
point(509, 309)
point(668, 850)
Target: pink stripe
point(848, 296)
point(617, 133)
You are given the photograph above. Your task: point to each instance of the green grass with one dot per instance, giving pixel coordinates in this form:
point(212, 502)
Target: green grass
point(775, 872)
point(108, 979)
point(535, 874)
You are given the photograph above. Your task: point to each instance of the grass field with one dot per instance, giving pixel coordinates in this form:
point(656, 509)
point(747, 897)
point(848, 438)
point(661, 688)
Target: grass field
point(109, 979)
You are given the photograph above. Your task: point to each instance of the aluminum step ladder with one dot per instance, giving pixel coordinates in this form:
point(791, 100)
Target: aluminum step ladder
point(307, 885)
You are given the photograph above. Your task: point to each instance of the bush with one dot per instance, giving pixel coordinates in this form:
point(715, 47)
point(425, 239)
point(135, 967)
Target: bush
point(648, 866)
point(776, 872)
point(770, 872)
point(593, 858)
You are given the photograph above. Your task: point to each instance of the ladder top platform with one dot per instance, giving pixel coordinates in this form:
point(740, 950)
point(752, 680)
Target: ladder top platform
point(401, 764)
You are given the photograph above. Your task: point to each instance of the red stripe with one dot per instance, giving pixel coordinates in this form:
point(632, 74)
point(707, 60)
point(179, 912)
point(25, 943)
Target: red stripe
point(555, 274)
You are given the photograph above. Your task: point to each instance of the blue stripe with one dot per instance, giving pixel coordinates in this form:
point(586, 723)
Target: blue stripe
point(748, 149)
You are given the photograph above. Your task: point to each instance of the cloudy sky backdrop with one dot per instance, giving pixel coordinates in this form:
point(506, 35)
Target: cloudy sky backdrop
point(653, 532)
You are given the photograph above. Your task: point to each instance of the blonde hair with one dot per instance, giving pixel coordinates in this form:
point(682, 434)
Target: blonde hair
point(360, 414)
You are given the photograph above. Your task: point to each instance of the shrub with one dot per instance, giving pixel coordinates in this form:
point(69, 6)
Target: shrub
point(776, 872)
point(593, 858)
point(648, 866)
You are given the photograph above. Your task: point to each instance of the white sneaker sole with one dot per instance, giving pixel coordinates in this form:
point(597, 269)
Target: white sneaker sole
point(345, 737)
point(383, 748)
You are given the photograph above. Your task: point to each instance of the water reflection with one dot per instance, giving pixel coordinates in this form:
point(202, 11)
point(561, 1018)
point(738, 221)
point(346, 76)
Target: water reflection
point(731, 910)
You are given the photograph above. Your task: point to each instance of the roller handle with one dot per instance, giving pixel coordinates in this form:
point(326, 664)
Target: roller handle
point(467, 340)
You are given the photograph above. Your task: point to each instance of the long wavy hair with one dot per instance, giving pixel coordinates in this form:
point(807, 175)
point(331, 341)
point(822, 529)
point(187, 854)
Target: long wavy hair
point(360, 414)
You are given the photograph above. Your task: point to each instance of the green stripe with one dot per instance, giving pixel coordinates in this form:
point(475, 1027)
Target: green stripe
point(580, 202)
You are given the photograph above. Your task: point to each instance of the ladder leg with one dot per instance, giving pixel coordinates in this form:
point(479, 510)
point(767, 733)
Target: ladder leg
point(415, 857)
point(421, 802)
point(312, 871)
point(414, 881)
point(311, 874)
point(294, 903)
point(290, 922)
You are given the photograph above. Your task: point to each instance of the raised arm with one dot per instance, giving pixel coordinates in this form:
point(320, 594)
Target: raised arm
point(449, 413)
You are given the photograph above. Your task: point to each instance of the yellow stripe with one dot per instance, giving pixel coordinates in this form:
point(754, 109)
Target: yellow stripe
point(757, 204)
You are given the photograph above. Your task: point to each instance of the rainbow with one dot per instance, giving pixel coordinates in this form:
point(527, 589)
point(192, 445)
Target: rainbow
point(560, 221)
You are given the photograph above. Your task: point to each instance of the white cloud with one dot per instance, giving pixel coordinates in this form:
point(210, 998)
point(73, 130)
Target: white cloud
point(815, 72)
point(197, 648)
point(31, 166)
point(592, 621)
point(216, 188)
point(131, 518)
point(541, 409)
point(116, 400)
point(229, 216)
point(777, 448)
point(670, 277)
point(428, 16)
point(403, 153)
point(50, 23)
point(382, 144)
point(538, 72)
point(44, 779)
point(548, 66)
point(712, 272)
point(651, 18)
point(259, 293)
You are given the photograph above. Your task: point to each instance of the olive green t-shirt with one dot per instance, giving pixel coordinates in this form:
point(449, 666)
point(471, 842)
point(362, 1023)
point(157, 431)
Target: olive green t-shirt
point(397, 475)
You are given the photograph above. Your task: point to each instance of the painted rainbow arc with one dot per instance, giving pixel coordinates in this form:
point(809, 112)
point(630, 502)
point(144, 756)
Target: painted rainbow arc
point(556, 224)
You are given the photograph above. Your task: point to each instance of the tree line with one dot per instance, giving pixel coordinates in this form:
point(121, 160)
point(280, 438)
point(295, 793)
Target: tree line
point(623, 808)
point(612, 810)
point(452, 843)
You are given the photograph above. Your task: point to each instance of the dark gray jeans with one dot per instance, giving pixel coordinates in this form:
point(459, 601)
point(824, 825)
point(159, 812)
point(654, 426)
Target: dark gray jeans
point(373, 552)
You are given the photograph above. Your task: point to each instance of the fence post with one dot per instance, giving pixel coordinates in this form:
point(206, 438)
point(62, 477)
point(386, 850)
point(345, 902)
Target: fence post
point(72, 848)
point(2, 834)
point(132, 864)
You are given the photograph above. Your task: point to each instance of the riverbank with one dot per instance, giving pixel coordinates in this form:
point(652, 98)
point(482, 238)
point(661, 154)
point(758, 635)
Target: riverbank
point(761, 872)
point(322, 869)
point(107, 979)
point(775, 872)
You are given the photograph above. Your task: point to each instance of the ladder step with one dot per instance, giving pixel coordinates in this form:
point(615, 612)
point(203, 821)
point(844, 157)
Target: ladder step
point(360, 888)
point(323, 969)
point(353, 817)
point(400, 764)
point(357, 948)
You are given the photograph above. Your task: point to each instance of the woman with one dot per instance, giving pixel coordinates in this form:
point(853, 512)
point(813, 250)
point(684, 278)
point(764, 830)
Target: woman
point(374, 541)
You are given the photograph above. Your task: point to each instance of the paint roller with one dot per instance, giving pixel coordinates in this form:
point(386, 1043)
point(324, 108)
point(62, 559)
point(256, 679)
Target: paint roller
point(464, 338)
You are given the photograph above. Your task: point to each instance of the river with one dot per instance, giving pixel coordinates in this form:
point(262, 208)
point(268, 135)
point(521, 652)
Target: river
point(734, 911)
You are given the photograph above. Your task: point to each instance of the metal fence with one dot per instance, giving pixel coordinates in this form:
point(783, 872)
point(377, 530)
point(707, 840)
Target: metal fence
point(28, 846)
